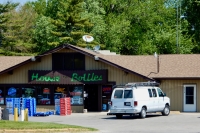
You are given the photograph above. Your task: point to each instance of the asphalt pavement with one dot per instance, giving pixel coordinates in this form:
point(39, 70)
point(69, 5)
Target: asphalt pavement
point(154, 123)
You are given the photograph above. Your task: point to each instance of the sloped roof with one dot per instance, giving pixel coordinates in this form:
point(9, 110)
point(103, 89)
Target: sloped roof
point(11, 61)
point(179, 66)
point(170, 66)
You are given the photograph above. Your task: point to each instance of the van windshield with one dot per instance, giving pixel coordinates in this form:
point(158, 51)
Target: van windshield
point(118, 94)
point(128, 94)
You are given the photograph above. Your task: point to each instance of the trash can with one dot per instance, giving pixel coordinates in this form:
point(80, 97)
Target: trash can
point(109, 105)
point(5, 114)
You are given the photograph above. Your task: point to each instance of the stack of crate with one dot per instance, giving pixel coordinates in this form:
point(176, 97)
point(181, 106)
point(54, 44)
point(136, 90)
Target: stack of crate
point(57, 106)
point(65, 106)
point(9, 105)
point(31, 105)
point(16, 104)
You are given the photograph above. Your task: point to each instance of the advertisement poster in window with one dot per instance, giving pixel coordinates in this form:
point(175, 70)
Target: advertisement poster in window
point(28, 92)
point(76, 95)
point(1, 97)
point(12, 92)
point(44, 97)
point(106, 96)
point(59, 92)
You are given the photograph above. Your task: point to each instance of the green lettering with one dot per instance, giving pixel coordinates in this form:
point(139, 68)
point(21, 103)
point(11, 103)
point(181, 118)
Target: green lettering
point(74, 77)
point(34, 76)
point(96, 78)
point(57, 79)
point(100, 78)
point(44, 78)
point(92, 78)
point(86, 77)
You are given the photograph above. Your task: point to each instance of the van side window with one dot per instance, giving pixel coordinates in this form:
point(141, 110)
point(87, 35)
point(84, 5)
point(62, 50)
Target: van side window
point(160, 93)
point(150, 93)
point(128, 94)
point(118, 94)
point(154, 93)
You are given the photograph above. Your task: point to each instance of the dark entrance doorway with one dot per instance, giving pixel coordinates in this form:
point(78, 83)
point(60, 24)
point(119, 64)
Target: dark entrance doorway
point(106, 96)
point(91, 101)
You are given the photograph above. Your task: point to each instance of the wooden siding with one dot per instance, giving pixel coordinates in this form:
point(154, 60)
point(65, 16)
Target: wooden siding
point(20, 75)
point(174, 90)
point(114, 74)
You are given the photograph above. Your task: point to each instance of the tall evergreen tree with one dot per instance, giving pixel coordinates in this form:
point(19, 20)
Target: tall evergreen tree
point(4, 17)
point(70, 25)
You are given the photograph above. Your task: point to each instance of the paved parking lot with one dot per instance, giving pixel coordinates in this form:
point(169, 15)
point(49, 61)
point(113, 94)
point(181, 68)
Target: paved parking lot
point(154, 123)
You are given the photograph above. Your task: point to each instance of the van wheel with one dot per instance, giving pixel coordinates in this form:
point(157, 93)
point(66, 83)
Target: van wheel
point(119, 116)
point(166, 110)
point(143, 113)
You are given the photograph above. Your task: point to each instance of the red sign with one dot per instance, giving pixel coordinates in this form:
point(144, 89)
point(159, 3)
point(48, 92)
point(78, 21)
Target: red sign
point(46, 91)
point(105, 89)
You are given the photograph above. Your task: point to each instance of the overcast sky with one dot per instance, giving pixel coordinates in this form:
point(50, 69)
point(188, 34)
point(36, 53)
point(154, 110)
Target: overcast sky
point(15, 1)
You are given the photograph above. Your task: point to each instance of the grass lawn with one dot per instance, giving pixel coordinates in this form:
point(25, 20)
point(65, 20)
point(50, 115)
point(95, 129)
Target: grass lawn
point(40, 126)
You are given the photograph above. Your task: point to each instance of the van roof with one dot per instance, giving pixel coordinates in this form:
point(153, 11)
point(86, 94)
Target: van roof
point(137, 84)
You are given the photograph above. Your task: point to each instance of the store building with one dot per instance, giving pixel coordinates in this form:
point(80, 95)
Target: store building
point(87, 76)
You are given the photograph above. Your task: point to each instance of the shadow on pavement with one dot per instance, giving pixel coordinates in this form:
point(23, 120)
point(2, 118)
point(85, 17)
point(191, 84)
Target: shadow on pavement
point(131, 117)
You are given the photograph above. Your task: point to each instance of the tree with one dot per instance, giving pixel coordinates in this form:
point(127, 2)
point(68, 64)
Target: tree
point(4, 17)
point(191, 9)
point(96, 14)
point(18, 36)
point(42, 34)
point(70, 26)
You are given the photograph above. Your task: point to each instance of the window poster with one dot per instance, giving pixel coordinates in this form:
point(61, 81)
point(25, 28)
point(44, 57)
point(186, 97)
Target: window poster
point(12, 92)
point(1, 97)
point(76, 94)
point(44, 96)
point(59, 92)
point(28, 92)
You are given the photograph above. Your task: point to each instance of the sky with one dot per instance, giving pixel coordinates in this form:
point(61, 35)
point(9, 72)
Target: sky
point(15, 1)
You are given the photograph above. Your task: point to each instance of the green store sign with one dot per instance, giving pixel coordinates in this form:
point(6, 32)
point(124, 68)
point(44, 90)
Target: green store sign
point(86, 77)
point(45, 78)
point(67, 77)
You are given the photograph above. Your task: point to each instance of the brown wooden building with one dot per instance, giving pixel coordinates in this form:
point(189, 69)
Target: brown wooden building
point(87, 76)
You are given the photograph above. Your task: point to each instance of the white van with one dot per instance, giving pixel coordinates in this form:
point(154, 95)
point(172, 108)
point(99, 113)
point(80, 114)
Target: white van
point(138, 98)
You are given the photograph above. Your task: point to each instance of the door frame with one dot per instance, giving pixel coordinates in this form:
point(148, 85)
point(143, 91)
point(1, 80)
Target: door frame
point(194, 106)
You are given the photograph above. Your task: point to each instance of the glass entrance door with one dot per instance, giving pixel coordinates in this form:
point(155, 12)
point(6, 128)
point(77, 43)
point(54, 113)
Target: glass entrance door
point(106, 96)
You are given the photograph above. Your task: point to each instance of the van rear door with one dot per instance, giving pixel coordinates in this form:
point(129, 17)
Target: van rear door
point(117, 99)
point(122, 100)
point(128, 99)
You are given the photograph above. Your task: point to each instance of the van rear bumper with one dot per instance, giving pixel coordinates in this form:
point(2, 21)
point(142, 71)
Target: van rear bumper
point(122, 113)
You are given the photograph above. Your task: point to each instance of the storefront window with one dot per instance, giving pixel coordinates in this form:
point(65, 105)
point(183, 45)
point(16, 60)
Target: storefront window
point(75, 92)
point(43, 95)
point(1, 96)
point(12, 92)
point(59, 92)
point(28, 92)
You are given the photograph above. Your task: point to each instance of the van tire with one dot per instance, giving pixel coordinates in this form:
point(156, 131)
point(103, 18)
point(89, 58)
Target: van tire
point(119, 116)
point(143, 113)
point(166, 110)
